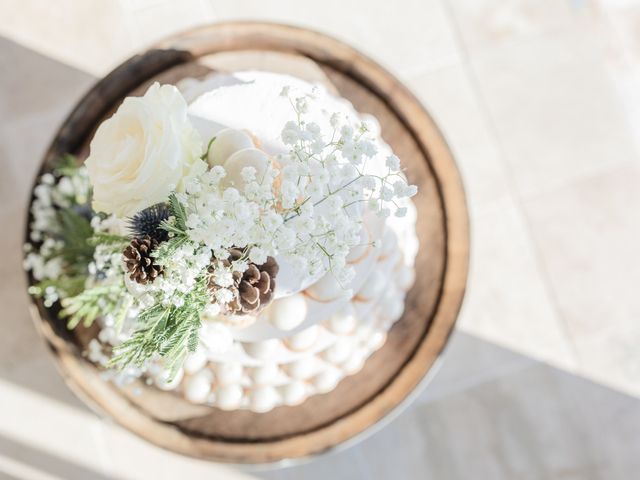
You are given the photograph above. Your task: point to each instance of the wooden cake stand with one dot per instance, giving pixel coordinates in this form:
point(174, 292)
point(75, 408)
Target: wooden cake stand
point(414, 343)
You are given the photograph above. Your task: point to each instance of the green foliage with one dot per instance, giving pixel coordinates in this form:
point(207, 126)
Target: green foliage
point(178, 212)
point(92, 303)
point(170, 332)
point(75, 231)
point(206, 152)
point(177, 228)
point(66, 166)
point(114, 243)
point(65, 285)
point(167, 249)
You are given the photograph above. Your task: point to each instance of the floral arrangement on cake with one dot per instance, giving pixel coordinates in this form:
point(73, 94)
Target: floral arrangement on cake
point(162, 232)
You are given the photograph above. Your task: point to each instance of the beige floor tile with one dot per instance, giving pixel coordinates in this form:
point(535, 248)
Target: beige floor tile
point(487, 23)
point(468, 361)
point(36, 94)
point(408, 36)
point(134, 459)
point(33, 83)
point(507, 300)
point(618, 26)
point(449, 97)
point(588, 236)
point(534, 424)
point(149, 22)
point(23, 342)
point(51, 437)
point(87, 34)
point(554, 110)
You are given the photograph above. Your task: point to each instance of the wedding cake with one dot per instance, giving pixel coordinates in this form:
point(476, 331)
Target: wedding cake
point(244, 240)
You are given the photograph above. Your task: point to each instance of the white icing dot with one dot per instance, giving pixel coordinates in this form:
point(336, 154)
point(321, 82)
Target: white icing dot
point(304, 339)
point(327, 379)
point(262, 350)
point(343, 322)
point(355, 362)
point(294, 393)
point(364, 331)
point(339, 351)
point(302, 368)
point(195, 361)
point(197, 388)
point(288, 312)
point(263, 399)
point(376, 340)
point(228, 397)
point(396, 309)
point(216, 337)
point(265, 374)
point(162, 383)
point(406, 277)
point(392, 304)
point(227, 373)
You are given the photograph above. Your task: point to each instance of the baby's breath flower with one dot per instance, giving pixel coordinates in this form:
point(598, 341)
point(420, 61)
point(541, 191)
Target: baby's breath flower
point(401, 212)
point(257, 255)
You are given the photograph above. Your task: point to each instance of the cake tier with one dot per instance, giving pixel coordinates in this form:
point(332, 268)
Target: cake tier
point(262, 375)
point(316, 331)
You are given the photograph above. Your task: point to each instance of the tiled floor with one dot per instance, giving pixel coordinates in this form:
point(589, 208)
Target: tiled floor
point(539, 102)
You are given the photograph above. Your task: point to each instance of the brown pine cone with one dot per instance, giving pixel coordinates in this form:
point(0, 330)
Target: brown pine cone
point(253, 288)
point(139, 262)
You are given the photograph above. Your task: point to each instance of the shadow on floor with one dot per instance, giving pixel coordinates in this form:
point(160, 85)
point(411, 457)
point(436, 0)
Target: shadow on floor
point(493, 414)
point(36, 93)
point(489, 414)
point(45, 462)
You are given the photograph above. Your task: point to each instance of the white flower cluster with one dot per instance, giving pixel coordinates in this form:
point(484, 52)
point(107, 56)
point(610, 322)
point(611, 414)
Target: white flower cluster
point(305, 206)
point(50, 196)
point(180, 274)
point(328, 182)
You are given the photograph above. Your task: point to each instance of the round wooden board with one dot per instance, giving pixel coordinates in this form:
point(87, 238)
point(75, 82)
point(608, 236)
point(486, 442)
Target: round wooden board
point(414, 343)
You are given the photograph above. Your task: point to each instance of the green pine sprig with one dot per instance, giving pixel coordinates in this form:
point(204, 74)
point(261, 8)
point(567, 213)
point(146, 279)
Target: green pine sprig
point(75, 231)
point(94, 302)
point(113, 243)
point(66, 166)
point(65, 285)
point(170, 332)
point(177, 228)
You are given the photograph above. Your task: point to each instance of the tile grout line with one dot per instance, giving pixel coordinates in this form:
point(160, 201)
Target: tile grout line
point(512, 189)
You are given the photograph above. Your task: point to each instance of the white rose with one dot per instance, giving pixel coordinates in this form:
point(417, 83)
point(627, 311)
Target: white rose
point(143, 152)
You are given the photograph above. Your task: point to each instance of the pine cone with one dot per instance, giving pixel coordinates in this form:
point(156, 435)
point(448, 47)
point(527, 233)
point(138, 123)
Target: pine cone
point(139, 262)
point(253, 288)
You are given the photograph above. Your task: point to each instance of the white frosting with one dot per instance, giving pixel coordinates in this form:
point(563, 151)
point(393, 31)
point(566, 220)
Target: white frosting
point(229, 397)
point(197, 387)
point(195, 361)
point(316, 331)
point(288, 312)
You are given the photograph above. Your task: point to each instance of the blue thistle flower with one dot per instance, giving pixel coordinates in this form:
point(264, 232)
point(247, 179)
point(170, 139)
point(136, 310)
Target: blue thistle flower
point(149, 221)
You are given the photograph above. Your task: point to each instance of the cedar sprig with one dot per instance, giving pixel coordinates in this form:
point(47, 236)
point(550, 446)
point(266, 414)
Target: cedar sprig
point(170, 332)
point(95, 302)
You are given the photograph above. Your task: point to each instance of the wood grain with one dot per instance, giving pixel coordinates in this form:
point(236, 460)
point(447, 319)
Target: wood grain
point(325, 421)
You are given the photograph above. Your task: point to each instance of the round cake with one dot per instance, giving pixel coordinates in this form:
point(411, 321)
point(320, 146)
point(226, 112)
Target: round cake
point(306, 328)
